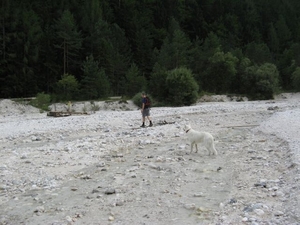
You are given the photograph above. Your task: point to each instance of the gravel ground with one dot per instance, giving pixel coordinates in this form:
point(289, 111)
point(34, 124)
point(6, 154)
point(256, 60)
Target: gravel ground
point(99, 167)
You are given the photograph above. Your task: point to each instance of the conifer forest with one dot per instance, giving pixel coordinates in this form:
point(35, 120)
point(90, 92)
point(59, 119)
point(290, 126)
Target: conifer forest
point(89, 49)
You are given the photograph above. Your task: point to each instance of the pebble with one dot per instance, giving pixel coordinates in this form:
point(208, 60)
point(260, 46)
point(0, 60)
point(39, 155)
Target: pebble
point(245, 219)
point(190, 206)
point(111, 218)
point(279, 213)
point(39, 209)
point(200, 194)
point(259, 212)
point(110, 191)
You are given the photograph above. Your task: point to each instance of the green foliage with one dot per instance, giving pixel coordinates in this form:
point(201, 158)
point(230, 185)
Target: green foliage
point(40, 40)
point(67, 88)
point(220, 73)
point(289, 61)
point(143, 54)
point(41, 101)
point(260, 82)
point(296, 79)
point(258, 53)
point(69, 40)
point(201, 53)
point(157, 83)
point(135, 82)
point(243, 63)
point(273, 39)
point(284, 33)
point(95, 83)
point(182, 87)
point(111, 49)
point(175, 51)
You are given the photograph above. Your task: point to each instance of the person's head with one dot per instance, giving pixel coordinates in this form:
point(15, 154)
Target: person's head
point(143, 94)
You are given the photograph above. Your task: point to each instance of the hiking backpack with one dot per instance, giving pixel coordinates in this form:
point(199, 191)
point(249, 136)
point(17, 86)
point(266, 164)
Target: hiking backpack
point(148, 102)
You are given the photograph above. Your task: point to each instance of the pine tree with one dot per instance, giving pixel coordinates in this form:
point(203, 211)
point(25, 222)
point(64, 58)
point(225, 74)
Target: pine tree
point(69, 41)
point(94, 83)
point(135, 82)
point(176, 49)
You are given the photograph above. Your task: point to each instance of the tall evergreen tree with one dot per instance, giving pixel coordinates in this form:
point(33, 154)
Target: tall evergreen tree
point(5, 20)
point(176, 49)
point(21, 34)
point(40, 40)
point(273, 39)
point(258, 53)
point(144, 51)
point(69, 41)
point(29, 39)
point(94, 83)
point(135, 82)
point(284, 33)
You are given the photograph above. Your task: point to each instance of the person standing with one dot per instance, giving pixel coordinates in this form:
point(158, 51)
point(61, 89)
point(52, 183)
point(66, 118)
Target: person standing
point(146, 109)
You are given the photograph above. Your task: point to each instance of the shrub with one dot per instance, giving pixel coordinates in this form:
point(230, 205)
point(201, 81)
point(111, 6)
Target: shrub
point(220, 73)
point(42, 101)
point(182, 87)
point(67, 87)
point(260, 82)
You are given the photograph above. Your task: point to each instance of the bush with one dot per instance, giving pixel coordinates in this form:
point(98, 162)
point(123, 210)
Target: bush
point(42, 101)
point(221, 72)
point(67, 87)
point(182, 87)
point(260, 82)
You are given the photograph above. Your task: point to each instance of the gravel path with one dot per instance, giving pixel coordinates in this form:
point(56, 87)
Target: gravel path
point(102, 168)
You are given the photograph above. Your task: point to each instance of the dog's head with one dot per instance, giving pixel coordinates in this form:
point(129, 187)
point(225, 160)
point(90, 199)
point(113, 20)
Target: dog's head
point(187, 127)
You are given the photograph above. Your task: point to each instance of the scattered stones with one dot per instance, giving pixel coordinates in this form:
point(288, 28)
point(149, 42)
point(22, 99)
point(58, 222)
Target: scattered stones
point(54, 163)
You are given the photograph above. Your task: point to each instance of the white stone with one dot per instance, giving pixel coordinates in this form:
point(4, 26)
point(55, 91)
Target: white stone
point(259, 212)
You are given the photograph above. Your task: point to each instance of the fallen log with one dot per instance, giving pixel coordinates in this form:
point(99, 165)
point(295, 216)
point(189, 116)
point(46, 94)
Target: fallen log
point(58, 114)
point(63, 114)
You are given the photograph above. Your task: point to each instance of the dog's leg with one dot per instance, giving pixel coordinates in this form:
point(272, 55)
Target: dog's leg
point(192, 147)
point(211, 147)
point(196, 148)
point(213, 150)
point(209, 151)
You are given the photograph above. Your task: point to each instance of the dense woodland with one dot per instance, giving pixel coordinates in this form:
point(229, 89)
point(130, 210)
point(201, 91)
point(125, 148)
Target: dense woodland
point(89, 49)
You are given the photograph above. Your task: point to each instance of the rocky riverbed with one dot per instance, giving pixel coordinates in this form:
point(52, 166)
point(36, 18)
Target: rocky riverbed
point(101, 168)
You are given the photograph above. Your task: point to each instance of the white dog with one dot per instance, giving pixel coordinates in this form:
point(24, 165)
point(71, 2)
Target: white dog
point(196, 137)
